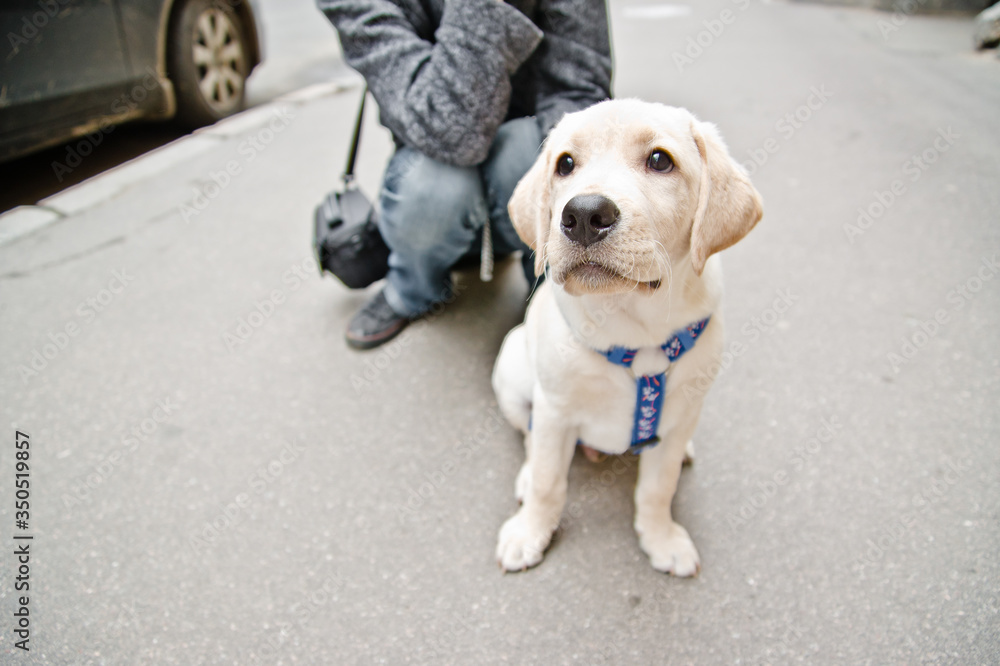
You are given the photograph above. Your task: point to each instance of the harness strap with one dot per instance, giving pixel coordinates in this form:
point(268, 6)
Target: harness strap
point(650, 388)
point(648, 402)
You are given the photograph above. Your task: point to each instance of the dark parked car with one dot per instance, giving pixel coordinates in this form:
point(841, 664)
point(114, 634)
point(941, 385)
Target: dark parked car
point(72, 67)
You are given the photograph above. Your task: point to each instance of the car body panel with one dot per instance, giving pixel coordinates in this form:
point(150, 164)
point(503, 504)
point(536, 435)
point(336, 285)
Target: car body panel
point(79, 66)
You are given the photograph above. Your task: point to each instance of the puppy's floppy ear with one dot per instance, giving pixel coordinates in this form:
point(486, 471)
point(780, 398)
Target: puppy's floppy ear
point(530, 207)
point(728, 204)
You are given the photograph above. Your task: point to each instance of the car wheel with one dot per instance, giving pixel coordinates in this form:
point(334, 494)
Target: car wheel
point(208, 61)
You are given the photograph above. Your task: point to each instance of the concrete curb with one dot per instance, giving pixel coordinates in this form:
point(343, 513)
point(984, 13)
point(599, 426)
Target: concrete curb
point(910, 6)
point(22, 221)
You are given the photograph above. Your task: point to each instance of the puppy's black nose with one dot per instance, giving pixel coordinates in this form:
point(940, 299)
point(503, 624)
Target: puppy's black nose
point(587, 218)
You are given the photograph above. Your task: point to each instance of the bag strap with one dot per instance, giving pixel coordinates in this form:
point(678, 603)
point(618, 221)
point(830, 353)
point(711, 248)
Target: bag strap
point(486, 251)
point(348, 176)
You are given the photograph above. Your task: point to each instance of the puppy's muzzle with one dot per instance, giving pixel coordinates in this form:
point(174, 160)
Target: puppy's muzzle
point(588, 218)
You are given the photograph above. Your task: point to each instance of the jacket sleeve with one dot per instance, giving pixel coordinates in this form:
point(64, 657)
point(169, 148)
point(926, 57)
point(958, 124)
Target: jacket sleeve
point(444, 94)
point(573, 63)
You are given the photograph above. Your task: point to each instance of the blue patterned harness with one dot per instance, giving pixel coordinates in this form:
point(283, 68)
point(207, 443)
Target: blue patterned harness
point(650, 388)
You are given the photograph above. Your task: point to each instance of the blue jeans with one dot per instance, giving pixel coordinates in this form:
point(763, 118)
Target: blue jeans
point(432, 214)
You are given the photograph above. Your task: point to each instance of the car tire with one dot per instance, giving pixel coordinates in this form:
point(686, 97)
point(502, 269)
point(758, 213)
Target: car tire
point(208, 61)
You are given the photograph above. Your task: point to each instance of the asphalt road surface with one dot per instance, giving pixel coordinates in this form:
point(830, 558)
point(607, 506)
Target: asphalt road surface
point(217, 479)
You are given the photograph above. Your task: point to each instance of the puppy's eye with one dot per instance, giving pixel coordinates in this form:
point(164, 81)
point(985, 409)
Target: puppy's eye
point(564, 166)
point(659, 160)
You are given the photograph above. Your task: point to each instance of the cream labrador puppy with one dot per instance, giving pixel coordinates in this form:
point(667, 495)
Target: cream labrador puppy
point(624, 209)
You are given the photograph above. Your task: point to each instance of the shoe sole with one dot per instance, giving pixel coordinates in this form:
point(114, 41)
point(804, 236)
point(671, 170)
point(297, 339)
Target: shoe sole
point(373, 341)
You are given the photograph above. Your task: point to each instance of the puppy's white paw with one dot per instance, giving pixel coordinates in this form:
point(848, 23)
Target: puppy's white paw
point(522, 542)
point(671, 550)
point(523, 482)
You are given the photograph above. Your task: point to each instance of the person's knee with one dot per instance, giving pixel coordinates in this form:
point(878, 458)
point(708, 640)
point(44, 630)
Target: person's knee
point(521, 136)
point(423, 200)
point(513, 152)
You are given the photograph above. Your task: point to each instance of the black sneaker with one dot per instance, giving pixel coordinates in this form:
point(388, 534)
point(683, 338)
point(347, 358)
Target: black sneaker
point(375, 324)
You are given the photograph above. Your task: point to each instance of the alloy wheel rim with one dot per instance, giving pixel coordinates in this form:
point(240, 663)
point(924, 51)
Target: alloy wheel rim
point(219, 59)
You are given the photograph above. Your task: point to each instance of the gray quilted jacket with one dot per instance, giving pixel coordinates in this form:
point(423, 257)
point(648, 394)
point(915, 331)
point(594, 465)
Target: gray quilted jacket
point(447, 73)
